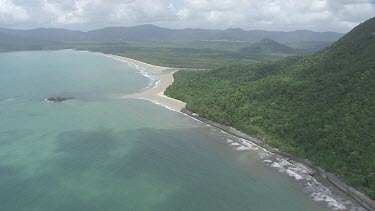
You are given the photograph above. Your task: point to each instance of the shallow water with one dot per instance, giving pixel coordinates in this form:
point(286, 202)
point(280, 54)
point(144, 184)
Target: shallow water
point(101, 152)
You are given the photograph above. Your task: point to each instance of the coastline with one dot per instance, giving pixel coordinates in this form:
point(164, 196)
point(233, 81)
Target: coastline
point(312, 169)
point(164, 78)
point(156, 93)
point(153, 68)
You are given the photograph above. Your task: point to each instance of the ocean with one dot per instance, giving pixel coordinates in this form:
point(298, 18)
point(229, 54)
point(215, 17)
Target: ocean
point(100, 151)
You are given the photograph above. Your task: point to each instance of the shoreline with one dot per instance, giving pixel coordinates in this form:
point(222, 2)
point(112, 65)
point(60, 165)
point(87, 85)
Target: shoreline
point(156, 95)
point(153, 68)
point(362, 199)
point(162, 78)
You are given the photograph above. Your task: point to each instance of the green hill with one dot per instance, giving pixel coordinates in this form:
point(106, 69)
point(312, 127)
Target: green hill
point(267, 46)
point(16, 43)
point(321, 107)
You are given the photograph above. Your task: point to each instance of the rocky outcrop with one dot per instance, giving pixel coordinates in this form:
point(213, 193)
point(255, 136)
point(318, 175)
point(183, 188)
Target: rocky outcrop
point(58, 99)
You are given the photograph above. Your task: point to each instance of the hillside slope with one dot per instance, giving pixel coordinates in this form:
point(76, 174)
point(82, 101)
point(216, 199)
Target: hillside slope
point(268, 46)
point(321, 107)
point(47, 34)
point(16, 43)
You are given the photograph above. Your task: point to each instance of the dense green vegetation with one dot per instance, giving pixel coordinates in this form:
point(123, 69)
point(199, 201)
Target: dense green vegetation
point(312, 45)
point(269, 46)
point(197, 48)
point(197, 54)
point(321, 107)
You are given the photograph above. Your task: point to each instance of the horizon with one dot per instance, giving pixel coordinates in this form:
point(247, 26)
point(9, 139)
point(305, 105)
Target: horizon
point(84, 15)
point(133, 26)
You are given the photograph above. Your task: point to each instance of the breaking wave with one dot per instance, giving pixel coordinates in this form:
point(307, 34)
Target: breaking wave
point(7, 100)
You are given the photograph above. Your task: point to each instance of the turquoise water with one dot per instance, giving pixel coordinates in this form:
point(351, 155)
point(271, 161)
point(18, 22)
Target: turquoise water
point(101, 152)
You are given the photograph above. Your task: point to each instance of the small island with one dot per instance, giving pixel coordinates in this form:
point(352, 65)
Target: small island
point(58, 99)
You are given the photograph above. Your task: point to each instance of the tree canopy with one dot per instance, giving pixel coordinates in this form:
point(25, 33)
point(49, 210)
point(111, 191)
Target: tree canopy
point(320, 107)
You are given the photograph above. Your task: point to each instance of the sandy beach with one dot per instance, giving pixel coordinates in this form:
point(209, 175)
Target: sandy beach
point(163, 80)
point(153, 68)
point(156, 94)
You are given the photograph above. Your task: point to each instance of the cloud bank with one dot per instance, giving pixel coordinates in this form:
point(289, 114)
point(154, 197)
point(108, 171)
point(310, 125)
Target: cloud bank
point(320, 15)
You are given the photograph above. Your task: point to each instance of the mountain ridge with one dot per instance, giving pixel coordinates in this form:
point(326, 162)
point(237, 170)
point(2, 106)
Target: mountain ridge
point(149, 32)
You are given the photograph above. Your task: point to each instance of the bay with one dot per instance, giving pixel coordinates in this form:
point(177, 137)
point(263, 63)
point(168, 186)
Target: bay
point(102, 152)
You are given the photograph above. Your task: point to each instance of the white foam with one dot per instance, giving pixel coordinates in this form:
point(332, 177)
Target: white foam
point(222, 131)
point(316, 190)
point(283, 162)
point(143, 71)
point(264, 154)
point(303, 168)
point(298, 169)
point(7, 100)
point(229, 141)
point(332, 203)
point(247, 143)
point(319, 193)
point(242, 148)
point(294, 174)
point(161, 104)
point(278, 166)
point(234, 144)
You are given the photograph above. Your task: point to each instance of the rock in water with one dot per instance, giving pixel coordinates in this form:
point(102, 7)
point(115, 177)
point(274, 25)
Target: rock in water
point(58, 99)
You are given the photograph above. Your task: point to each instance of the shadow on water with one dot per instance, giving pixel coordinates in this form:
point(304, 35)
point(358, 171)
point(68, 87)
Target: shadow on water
point(80, 150)
point(142, 169)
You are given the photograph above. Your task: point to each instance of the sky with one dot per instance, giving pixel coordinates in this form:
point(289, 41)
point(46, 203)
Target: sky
point(281, 15)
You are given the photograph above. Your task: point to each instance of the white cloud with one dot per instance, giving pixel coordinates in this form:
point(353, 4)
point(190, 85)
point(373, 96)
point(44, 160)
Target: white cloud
point(10, 12)
point(183, 14)
point(335, 15)
point(61, 15)
point(281, 14)
point(141, 11)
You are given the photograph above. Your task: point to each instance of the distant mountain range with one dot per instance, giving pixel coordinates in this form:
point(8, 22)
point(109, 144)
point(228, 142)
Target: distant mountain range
point(154, 33)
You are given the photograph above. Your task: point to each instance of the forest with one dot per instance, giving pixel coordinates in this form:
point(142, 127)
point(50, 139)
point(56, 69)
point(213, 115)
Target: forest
point(187, 48)
point(320, 107)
